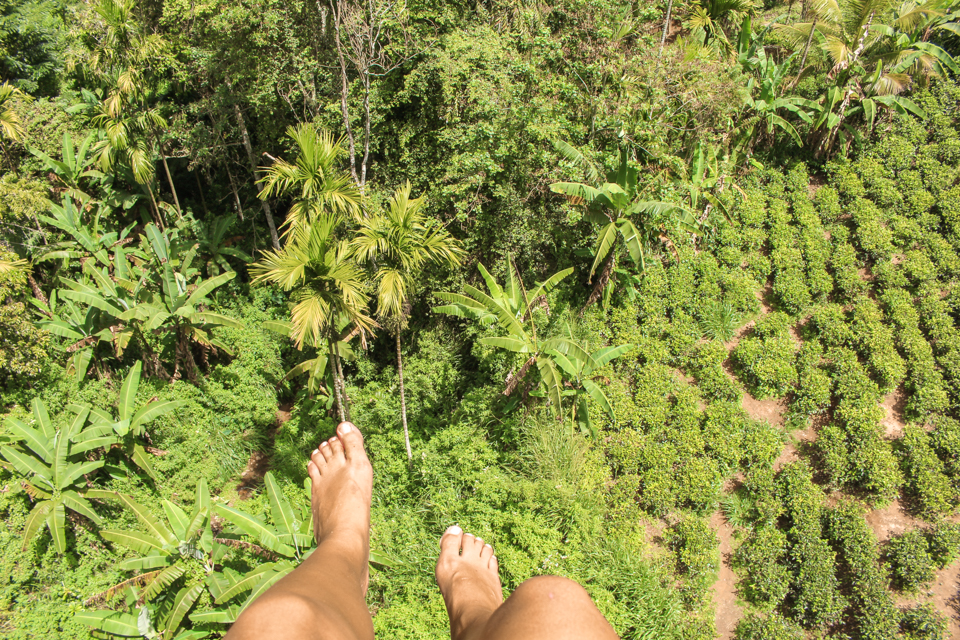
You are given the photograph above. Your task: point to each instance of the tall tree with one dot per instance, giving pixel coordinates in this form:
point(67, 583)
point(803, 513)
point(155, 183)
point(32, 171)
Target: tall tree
point(326, 284)
point(400, 243)
point(318, 186)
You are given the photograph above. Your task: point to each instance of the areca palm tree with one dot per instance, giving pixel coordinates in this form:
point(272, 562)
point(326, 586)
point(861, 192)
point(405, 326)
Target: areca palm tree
point(314, 180)
point(11, 127)
point(326, 284)
point(401, 242)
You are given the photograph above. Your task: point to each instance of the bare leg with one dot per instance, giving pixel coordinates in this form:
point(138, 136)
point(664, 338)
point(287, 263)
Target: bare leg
point(542, 608)
point(324, 598)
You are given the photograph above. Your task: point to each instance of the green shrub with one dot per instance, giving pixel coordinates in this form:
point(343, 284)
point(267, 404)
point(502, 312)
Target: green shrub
point(943, 543)
point(910, 560)
point(761, 566)
point(706, 365)
point(874, 612)
point(922, 622)
point(771, 627)
point(694, 545)
point(766, 360)
point(925, 478)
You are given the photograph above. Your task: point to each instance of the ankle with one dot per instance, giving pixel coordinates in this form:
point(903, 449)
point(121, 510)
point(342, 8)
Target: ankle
point(469, 624)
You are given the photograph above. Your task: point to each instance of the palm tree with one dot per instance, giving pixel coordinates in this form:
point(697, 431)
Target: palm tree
point(401, 242)
point(11, 127)
point(326, 283)
point(317, 185)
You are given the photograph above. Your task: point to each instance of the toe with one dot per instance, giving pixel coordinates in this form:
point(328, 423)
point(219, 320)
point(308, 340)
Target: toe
point(450, 542)
point(326, 451)
point(471, 545)
point(313, 471)
point(352, 440)
point(486, 552)
point(336, 446)
point(318, 460)
point(493, 564)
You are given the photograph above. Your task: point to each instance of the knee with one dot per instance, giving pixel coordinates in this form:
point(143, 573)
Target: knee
point(553, 588)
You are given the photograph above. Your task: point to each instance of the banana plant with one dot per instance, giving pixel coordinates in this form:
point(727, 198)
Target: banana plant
point(639, 225)
point(175, 559)
point(581, 381)
point(171, 306)
point(51, 463)
point(512, 308)
point(73, 168)
point(285, 542)
point(85, 239)
point(214, 245)
point(86, 329)
point(130, 420)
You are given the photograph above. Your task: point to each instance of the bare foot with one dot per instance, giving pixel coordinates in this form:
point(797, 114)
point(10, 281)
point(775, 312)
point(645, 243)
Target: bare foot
point(340, 496)
point(467, 574)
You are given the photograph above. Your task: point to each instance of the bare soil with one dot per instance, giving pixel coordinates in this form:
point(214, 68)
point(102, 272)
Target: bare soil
point(728, 612)
point(894, 404)
point(259, 462)
point(891, 521)
point(770, 410)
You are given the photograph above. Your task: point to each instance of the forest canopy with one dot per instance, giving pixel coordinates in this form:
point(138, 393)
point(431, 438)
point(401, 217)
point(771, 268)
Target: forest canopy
point(661, 297)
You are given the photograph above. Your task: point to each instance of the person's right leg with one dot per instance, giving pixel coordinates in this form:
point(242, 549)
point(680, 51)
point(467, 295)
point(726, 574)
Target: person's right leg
point(545, 607)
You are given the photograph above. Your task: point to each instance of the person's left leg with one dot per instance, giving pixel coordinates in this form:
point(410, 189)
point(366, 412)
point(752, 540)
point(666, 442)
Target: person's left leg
point(325, 597)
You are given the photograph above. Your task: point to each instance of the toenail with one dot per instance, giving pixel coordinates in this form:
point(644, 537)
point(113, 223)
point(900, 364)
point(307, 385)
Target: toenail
point(323, 444)
point(346, 427)
point(488, 547)
point(315, 452)
point(479, 539)
point(454, 530)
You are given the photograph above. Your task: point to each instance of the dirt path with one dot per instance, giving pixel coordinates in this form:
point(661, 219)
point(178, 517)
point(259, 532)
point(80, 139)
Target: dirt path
point(728, 612)
point(259, 462)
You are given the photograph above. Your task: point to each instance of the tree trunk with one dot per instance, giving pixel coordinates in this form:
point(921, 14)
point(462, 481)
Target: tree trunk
point(173, 189)
point(366, 129)
point(605, 276)
point(253, 167)
point(403, 401)
point(344, 90)
point(666, 27)
point(343, 388)
point(336, 381)
point(806, 49)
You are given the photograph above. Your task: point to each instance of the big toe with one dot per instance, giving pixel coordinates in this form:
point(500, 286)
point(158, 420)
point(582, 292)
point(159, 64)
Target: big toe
point(450, 541)
point(352, 441)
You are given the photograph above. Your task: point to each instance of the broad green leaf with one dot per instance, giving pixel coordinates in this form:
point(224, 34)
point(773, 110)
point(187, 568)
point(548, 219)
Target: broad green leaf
point(177, 518)
point(141, 458)
point(267, 582)
point(60, 453)
point(606, 354)
point(631, 238)
point(552, 382)
point(154, 527)
point(56, 523)
point(510, 344)
point(255, 528)
point(145, 563)
point(181, 605)
point(605, 240)
point(43, 418)
point(163, 580)
point(151, 411)
point(547, 285)
point(221, 616)
point(28, 466)
point(35, 520)
point(111, 622)
point(79, 419)
point(206, 317)
point(492, 286)
point(73, 500)
point(135, 541)
point(280, 509)
point(598, 396)
point(208, 286)
point(128, 392)
point(246, 582)
point(35, 440)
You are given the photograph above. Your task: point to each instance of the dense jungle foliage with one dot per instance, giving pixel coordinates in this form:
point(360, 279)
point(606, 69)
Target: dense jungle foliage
point(615, 286)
